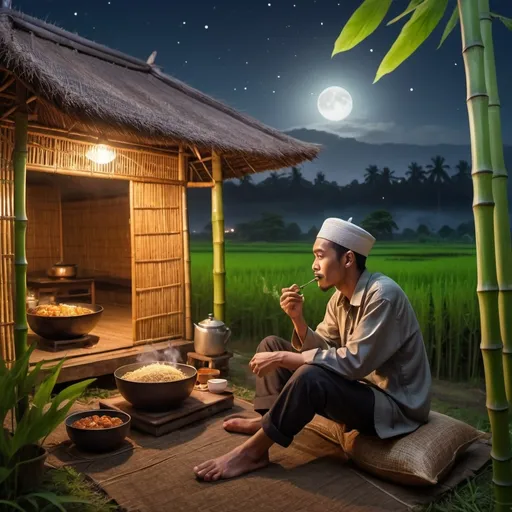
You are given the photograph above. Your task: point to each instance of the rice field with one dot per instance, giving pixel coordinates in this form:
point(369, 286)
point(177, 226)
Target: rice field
point(440, 281)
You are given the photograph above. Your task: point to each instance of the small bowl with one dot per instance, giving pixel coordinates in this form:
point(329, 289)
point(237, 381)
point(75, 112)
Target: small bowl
point(217, 385)
point(101, 439)
point(203, 374)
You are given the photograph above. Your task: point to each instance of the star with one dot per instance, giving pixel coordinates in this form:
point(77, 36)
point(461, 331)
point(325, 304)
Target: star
point(184, 23)
point(278, 76)
point(245, 88)
point(269, 4)
point(455, 63)
point(371, 49)
point(411, 89)
point(206, 27)
point(321, 23)
point(273, 92)
point(178, 42)
point(75, 13)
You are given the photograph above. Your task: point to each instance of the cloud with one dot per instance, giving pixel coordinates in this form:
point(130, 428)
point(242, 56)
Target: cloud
point(389, 132)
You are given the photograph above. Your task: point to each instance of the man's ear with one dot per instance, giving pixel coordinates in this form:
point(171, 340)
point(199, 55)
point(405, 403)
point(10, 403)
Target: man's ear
point(350, 259)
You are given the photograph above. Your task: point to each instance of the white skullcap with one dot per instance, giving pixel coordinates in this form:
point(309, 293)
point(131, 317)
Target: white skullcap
point(348, 235)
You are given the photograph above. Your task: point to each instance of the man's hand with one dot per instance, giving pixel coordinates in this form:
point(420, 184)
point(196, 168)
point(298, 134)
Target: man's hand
point(265, 362)
point(291, 302)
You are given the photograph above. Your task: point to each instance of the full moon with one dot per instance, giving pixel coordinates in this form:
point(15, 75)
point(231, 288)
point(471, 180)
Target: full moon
point(335, 103)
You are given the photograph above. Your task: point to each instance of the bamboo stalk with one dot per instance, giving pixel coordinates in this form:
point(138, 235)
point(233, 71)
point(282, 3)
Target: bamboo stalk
point(182, 166)
point(219, 271)
point(133, 262)
point(499, 190)
point(487, 288)
point(20, 229)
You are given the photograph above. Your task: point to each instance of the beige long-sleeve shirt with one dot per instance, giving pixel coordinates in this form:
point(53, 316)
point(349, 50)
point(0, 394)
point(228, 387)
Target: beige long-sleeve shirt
point(375, 338)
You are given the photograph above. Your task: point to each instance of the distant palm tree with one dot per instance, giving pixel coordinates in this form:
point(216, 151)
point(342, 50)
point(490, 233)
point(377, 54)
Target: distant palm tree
point(387, 176)
point(415, 173)
point(371, 176)
point(296, 176)
point(437, 170)
point(437, 174)
point(320, 178)
point(463, 173)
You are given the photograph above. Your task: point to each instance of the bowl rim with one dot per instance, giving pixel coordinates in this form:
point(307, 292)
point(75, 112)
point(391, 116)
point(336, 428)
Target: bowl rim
point(152, 383)
point(95, 411)
point(217, 381)
point(100, 310)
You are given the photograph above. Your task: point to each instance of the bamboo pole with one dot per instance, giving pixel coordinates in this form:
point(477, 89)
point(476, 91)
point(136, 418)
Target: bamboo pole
point(487, 289)
point(219, 271)
point(499, 191)
point(20, 230)
point(182, 169)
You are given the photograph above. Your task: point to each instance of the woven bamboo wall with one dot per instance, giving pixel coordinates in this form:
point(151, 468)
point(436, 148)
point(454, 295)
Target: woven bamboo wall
point(96, 236)
point(43, 228)
point(6, 251)
point(58, 154)
point(157, 245)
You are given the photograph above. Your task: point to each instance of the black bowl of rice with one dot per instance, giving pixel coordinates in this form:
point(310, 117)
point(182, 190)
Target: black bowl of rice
point(159, 386)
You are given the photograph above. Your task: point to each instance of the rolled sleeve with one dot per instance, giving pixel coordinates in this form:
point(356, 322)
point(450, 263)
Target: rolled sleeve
point(373, 342)
point(312, 340)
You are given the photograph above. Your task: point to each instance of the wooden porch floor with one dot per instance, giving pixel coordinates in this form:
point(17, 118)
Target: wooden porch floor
point(114, 348)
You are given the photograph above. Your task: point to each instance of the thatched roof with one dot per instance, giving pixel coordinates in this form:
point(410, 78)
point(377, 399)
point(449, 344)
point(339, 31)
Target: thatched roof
point(97, 90)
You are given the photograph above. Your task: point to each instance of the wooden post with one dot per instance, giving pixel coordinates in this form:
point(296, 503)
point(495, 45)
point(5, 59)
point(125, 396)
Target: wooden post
point(219, 271)
point(182, 169)
point(20, 229)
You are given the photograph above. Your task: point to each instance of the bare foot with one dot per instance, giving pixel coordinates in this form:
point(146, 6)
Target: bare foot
point(243, 425)
point(235, 463)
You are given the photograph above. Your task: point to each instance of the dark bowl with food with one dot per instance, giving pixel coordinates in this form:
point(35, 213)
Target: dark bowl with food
point(156, 396)
point(103, 439)
point(64, 327)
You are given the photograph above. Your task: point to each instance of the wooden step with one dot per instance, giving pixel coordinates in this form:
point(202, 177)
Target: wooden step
point(105, 363)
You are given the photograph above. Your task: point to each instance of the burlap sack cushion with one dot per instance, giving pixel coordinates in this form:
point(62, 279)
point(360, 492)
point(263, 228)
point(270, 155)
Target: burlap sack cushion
point(423, 457)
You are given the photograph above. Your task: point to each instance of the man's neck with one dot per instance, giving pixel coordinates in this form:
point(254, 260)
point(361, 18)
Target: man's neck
point(348, 286)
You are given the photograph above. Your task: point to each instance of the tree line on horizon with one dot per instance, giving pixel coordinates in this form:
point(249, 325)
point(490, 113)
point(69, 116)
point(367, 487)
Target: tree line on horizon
point(434, 185)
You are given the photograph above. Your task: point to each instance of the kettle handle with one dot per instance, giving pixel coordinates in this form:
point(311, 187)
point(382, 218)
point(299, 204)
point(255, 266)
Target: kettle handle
point(228, 332)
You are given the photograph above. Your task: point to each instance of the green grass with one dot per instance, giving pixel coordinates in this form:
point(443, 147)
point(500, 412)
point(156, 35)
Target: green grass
point(440, 281)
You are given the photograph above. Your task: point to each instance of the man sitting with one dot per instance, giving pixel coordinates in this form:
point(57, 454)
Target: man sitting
point(365, 365)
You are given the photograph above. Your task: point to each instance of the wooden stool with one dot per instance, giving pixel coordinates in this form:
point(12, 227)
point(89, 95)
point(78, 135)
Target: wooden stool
point(218, 362)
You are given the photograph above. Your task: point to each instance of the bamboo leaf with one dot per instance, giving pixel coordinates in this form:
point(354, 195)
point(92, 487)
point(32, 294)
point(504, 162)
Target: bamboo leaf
point(425, 18)
point(454, 18)
point(365, 20)
point(506, 21)
point(411, 7)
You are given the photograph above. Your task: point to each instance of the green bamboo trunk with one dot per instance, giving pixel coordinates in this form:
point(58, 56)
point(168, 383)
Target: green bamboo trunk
point(487, 288)
point(219, 270)
point(20, 229)
point(499, 190)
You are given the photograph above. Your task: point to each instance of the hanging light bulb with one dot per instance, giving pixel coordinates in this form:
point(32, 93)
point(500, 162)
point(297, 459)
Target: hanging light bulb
point(101, 153)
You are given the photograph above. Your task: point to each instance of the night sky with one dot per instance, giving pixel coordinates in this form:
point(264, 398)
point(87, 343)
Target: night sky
point(271, 59)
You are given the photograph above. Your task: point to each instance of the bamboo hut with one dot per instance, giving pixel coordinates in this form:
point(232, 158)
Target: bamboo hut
point(97, 151)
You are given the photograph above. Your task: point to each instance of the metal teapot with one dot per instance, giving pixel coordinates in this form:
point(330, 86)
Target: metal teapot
point(211, 336)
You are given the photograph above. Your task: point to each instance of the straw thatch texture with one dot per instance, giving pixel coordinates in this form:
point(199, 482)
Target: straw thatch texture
point(103, 92)
point(43, 228)
point(157, 255)
point(96, 236)
point(6, 251)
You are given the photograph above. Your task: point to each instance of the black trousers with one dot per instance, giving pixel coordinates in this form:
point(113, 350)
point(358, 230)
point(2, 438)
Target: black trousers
point(289, 400)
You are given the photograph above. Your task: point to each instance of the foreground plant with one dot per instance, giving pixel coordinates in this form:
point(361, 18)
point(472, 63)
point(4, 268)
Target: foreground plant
point(425, 16)
point(21, 444)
